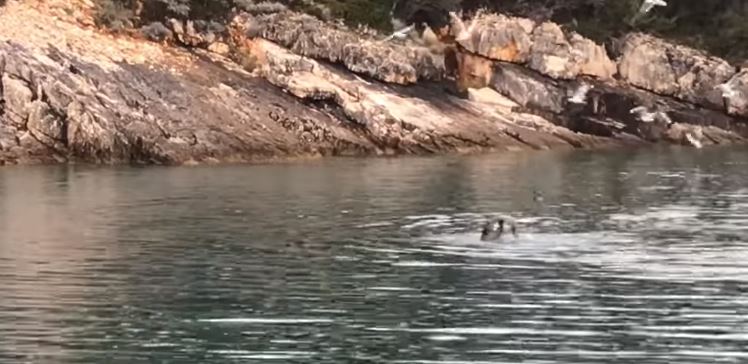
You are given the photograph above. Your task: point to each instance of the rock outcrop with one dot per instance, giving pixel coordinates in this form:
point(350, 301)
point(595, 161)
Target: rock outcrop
point(541, 47)
point(360, 52)
point(541, 68)
point(671, 70)
point(104, 99)
point(278, 84)
point(737, 103)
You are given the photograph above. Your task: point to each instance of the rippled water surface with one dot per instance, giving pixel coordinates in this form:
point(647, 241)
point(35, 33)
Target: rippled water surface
point(632, 257)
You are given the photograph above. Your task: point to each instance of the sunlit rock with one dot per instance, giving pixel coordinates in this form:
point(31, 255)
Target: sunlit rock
point(673, 70)
point(734, 94)
point(308, 36)
point(498, 37)
point(543, 47)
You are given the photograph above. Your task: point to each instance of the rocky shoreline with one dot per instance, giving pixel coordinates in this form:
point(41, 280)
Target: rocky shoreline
point(287, 85)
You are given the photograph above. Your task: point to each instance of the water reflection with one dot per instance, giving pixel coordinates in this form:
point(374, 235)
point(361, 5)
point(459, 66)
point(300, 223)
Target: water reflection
point(633, 257)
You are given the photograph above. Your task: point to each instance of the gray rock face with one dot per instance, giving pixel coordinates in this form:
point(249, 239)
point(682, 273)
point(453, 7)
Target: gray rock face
point(606, 109)
point(672, 70)
point(58, 107)
point(539, 66)
point(361, 53)
point(527, 88)
point(61, 108)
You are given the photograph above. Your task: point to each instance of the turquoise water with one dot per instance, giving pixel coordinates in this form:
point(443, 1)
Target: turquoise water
point(632, 257)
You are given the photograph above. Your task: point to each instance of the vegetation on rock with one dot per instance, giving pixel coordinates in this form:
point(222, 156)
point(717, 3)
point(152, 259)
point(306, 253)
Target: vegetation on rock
point(114, 14)
point(718, 26)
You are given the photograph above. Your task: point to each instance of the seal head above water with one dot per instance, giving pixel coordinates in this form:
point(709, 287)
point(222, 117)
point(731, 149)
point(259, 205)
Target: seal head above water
point(493, 229)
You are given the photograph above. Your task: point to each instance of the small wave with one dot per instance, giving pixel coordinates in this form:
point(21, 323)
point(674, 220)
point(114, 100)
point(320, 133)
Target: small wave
point(375, 224)
point(442, 362)
point(414, 263)
point(268, 355)
point(712, 354)
point(660, 334)
point(392, 289)
point(492, 331)
point(159, 345)
point(580, 353)
point(250, 320)
point(446, 338)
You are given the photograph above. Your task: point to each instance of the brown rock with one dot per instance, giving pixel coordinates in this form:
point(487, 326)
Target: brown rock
point(545, 47)
point(498, 37)
point(592, 58)
point(219, 48)
point(473, 71)
point(551, 54)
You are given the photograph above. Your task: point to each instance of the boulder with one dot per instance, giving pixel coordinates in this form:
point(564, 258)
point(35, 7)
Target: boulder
point(498, 37)
point(673, 70)
point(527, 88)
point(551, 54)
point(545, 48)
point(592, 59)
point(737, 104)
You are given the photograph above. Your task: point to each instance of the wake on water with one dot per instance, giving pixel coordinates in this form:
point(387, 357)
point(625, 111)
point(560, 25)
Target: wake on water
point(631, 244)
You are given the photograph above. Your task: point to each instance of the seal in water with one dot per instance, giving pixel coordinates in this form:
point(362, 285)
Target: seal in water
point(493, 229)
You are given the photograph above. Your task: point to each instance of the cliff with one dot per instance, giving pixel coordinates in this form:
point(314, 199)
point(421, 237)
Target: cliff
point(290, 86)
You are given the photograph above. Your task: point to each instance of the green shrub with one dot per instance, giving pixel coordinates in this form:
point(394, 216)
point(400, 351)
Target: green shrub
point(113, 14)
point(156, 32)
point(263, 7)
